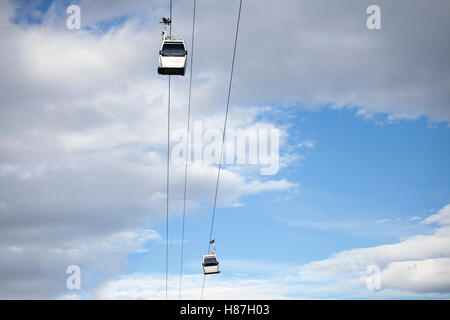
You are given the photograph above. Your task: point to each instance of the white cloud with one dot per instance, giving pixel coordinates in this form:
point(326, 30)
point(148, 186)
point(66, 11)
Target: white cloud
point(406, 81)
point(307, 144)
point(416, 264)
point(442, 217)
point(382, 220)
point(82, 117)
point(420, 276)
point(83, 143)
point(152, 286)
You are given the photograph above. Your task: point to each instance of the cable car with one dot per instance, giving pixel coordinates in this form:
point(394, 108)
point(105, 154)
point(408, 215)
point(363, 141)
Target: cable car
point(210, 263)
point(172, 54)
point(172, 57)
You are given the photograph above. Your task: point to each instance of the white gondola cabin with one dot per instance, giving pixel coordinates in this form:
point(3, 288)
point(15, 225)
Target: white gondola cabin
point(172, 54)
point(210, 263)
point(172, 57)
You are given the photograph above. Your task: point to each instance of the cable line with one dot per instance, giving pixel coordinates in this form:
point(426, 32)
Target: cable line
point(223, 135)
point(168, 170)
point(187, 145)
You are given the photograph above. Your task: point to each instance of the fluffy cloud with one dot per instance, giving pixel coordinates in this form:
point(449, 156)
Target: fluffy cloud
point(418, 264)
point(83, 147)
point(83, 115)
point(422, 276)
point(442, 217)
point(313, 53)
point(141, 286)
point(326, 55)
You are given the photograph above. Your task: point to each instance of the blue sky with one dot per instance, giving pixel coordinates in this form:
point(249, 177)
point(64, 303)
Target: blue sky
point(359, 186)
point(365, 151)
